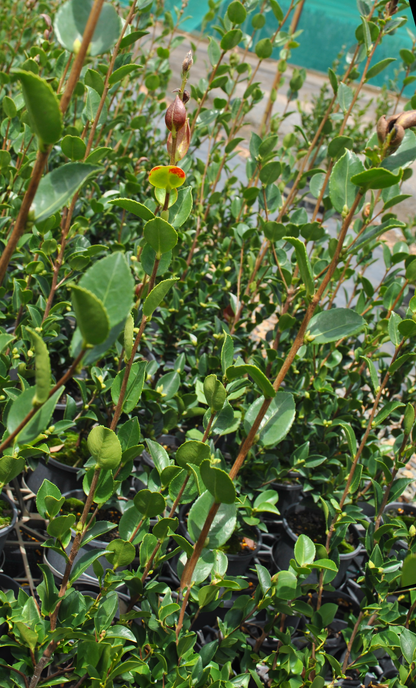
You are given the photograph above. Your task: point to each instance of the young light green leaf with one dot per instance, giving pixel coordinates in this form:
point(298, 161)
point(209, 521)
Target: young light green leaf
point(128, 337)
point(227, 353)
point(304, 550)
point(42, 367)
point(304, 264)
point(105, 447)
point(215, 393)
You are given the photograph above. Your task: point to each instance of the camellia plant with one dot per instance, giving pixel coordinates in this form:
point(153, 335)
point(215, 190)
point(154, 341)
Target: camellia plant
point(206, 352)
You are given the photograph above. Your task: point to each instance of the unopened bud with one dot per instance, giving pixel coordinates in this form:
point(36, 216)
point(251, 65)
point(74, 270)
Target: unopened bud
point(46, 34)
point(47, 20)
point(187, 63)
point(183, 140)
point(175, 116)
point(412, 531)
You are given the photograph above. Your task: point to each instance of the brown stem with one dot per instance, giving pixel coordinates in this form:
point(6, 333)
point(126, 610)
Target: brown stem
point(409, 615)
point(248, 442)
point(42, 157)
point(351, 641)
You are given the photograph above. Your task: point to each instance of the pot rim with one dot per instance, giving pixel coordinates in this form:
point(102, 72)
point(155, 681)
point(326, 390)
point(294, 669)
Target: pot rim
point(344, 556)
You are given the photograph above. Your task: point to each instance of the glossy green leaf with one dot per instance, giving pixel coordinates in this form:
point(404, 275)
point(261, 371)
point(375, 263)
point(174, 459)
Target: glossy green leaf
point(231, 39)
point(42, 367)
point(22, 406)
point(376, 178)
point(342, 190)
point(42, 107)
point(120, 553)
point(337, 323)
point(84, 563)
point(263, 48)
point(304, 550)
point(161, 236)
point(71, 20)
point(215, 393)
point(156, 296)
point(73, 147)
point(105, 447)
point(58, 187)
point(409, 571)
point(387, 409)
point(92, 317)
point(193, 452)
point(218, 483)
point(150, 504)
point(222, 526)
point(134, 386)
point(112, 283)
point(47, 489)
point(277, 421)
point(10, 467)
point(122, 72)
point(270, 172)
point(133, 207)
point(238, 371)
point(379, 67)
point(236, 12)
point(182, 208)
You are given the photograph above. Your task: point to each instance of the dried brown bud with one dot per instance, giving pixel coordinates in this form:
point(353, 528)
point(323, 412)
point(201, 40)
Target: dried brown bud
point(391, 7)
point(382, 129)
point(175, 116)
point(187, 63)
point(46, 35)
point(183, 140)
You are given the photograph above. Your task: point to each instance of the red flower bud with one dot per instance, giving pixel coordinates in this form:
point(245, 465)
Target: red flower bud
point(183, 140)
point(175, 116)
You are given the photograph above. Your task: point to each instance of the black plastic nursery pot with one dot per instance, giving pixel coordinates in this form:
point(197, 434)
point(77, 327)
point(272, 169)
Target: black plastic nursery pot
point(283, 550)
point(12, 511)
point(57, 563)
point(63, 476)
point(289, 491)
point(237, 563)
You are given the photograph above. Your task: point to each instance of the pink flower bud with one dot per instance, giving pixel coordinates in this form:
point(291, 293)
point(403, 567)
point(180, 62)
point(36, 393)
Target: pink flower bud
point(175, 116)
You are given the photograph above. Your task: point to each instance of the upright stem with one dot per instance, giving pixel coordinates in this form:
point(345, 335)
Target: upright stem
point(42, 157)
